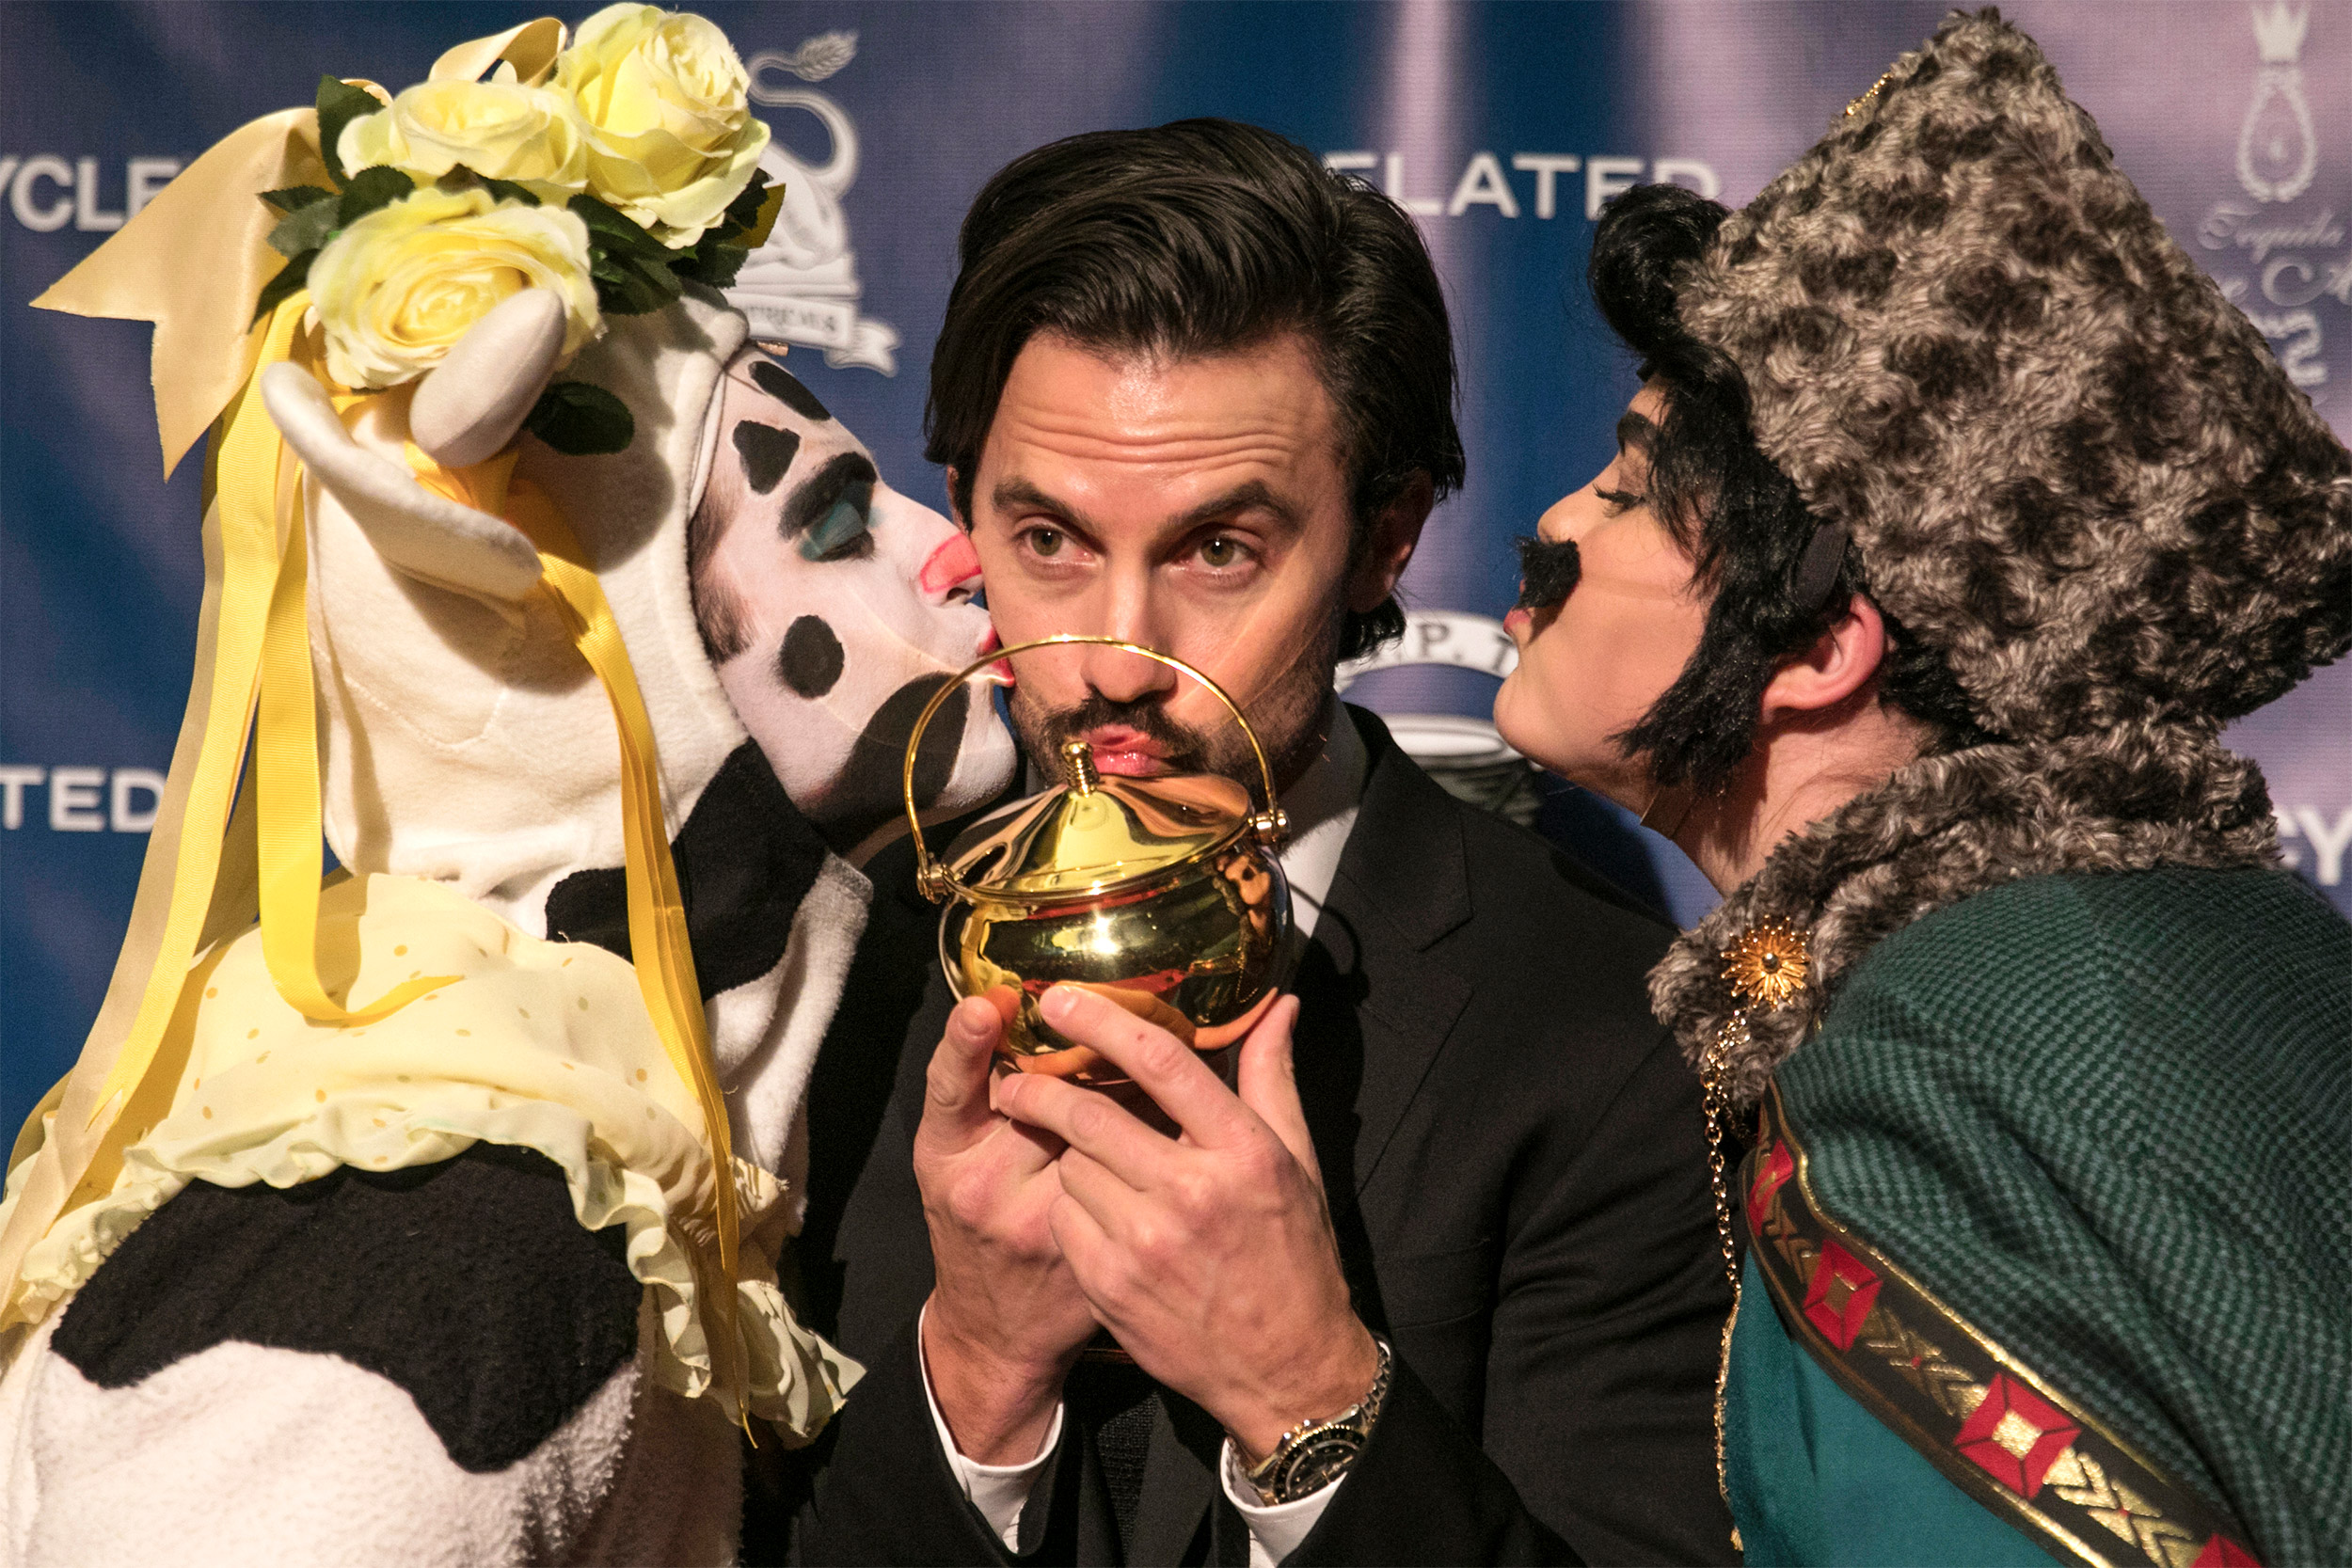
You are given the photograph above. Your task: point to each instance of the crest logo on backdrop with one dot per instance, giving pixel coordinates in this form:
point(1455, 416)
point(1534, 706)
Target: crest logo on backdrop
point(802, 287)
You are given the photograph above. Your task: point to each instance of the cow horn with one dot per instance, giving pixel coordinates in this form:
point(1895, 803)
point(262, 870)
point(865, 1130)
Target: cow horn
point(474, 401)
point(427, 536)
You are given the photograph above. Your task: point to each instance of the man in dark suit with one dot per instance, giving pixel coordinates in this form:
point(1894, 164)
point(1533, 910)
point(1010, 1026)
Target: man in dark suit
point(1456, 1236)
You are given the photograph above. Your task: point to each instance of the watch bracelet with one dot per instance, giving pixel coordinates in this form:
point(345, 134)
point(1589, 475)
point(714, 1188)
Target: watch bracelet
point(1357, 1418)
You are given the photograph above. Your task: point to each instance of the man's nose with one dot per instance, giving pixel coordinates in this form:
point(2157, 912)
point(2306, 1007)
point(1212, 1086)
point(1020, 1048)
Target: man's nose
point(1124, 678)
point(951, 573)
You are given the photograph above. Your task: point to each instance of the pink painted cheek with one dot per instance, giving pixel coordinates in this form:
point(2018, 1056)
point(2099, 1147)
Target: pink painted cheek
point(952, 565)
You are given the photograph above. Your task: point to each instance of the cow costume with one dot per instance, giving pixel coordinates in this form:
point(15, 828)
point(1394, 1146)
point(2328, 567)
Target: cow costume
point(407, 1234)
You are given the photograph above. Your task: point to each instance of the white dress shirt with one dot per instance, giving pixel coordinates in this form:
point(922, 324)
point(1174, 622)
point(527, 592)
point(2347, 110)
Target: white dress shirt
point(1321, 809)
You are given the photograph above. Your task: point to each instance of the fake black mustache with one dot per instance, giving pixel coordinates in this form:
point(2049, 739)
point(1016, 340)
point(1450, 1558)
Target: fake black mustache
point(1547, 572)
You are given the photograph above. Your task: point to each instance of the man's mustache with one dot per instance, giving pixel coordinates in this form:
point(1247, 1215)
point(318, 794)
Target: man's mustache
point(1547, 572)
point(1185, 750)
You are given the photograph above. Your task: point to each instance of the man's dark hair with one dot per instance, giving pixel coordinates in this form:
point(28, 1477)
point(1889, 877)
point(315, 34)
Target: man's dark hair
point(1732, 511)
point(1196, 238)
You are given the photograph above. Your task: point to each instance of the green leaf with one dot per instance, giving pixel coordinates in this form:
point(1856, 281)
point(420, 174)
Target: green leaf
point(618, 231)
point(304, 229)
point(630, 286)
point(506, 190)
point(295, 198)
point(744, 210)
point(714, 265)
point(583, 420)
point(369, 189)
point(289, 281)
point(339, 105)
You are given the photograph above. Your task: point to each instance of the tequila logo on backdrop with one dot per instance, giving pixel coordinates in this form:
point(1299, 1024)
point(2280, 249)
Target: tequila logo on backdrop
point(2296, 251)
point(801, 286)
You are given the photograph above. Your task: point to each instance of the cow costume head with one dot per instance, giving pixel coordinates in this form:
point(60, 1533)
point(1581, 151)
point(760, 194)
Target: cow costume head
point(829, 603)
point(787, 615)
point(768, 584)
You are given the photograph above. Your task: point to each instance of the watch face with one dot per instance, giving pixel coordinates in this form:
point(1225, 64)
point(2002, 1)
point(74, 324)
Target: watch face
point(1320, 1460)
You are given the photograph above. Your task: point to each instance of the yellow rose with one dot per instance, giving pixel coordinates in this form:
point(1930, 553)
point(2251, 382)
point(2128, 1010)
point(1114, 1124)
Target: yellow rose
point(500, 130)
point(397, 289)
point(671, 140)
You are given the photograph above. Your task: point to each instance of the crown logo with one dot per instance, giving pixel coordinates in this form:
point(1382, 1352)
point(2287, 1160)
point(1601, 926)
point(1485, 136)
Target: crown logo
point(2278, 32)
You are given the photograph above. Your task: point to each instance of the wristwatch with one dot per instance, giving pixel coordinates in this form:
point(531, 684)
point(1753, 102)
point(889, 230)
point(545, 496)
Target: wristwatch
point(1314, 1454)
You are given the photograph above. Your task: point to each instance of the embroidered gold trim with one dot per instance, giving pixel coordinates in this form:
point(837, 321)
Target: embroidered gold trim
point(1982, 1416)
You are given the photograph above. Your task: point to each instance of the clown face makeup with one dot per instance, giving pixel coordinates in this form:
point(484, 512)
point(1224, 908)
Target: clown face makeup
point(832, 607)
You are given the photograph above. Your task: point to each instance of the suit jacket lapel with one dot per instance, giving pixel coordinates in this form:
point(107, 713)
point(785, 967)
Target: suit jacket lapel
point(1403, 884)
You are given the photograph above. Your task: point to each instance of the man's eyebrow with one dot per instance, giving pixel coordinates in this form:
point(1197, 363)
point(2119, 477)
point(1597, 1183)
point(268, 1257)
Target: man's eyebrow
point(1013, 495)
point(812, 500)
point(1635, 432)
point(1241, 497)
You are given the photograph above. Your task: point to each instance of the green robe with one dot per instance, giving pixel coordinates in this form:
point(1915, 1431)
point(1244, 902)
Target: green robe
point(2108, 1120)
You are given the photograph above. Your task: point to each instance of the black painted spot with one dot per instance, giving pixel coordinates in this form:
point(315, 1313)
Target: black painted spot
point(881, 745)
point(745, 859)
point(810, 659)
point(469, 1283)
point(786, 388)
point(767, 452)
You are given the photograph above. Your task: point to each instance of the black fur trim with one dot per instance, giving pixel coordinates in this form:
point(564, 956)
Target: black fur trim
point(470, 1284)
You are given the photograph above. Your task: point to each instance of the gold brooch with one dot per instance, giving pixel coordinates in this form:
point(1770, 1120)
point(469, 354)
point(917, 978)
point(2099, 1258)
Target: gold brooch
point(1767, 965)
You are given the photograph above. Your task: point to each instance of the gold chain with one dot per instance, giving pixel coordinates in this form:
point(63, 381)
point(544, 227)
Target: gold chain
point(1717, 1105)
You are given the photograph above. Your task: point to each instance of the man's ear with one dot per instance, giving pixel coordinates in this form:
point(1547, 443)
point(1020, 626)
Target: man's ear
point(955, 507)
point(1394, 533)
point(1841, 661)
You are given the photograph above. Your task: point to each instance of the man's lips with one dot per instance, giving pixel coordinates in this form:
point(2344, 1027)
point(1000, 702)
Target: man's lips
point(1122, 751)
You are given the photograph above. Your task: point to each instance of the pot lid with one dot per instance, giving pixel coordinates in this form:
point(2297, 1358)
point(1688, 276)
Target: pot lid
point(1095, 833)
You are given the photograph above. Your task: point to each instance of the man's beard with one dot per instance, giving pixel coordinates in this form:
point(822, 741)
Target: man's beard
point(1286, 710)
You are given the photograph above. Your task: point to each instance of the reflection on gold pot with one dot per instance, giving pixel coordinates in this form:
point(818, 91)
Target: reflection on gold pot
point(1161, 893)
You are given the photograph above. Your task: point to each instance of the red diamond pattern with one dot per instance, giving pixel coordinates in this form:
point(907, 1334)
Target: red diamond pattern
point(2016, 1436)
point(1773, 1168)
point(2222, 1552)
point(1840, 1296)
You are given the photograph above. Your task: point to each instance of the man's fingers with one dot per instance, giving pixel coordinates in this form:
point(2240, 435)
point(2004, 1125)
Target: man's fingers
point(1162, 1066)
point(1089, 1120)
point(1086, 1249)
point(955, 1093)
point(1268, 1079)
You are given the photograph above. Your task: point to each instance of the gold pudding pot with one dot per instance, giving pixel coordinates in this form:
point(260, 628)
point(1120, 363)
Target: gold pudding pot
point(1161, 893)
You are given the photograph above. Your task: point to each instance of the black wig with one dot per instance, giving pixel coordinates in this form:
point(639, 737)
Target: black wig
point(1737, 515)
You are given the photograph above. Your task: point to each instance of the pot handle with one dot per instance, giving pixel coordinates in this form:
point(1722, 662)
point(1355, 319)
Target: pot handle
point(939, 883)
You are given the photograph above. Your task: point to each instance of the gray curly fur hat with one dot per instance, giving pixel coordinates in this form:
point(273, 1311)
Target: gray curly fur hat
point(2066, 463)
point(2069, 464)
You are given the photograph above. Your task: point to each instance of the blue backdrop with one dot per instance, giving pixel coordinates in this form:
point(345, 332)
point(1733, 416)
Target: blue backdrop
point(1501, 126)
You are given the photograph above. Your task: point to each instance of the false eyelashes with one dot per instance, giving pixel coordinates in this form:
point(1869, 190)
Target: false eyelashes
point(1547, 572)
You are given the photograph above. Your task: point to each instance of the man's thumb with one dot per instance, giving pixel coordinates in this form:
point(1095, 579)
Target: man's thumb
point(954, 1086)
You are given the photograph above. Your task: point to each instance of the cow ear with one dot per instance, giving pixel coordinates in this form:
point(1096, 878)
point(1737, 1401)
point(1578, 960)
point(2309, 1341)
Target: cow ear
point(469, 406)
point(429, 537)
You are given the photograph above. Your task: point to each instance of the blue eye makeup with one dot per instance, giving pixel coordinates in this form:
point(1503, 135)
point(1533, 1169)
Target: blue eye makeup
point(844, 527)
point(830, 518)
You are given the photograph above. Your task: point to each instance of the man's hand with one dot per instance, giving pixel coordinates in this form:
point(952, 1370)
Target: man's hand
point(1006, 1319)
point(1210, 1256)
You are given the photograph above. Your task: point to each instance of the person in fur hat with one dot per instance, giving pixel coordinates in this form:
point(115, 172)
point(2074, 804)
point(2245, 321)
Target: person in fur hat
point(1956, 513)
point(434, 1214)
